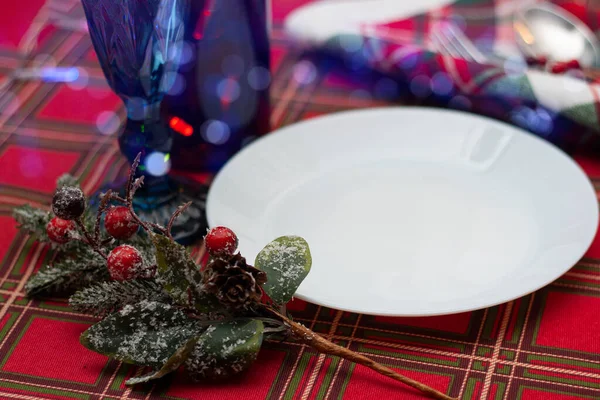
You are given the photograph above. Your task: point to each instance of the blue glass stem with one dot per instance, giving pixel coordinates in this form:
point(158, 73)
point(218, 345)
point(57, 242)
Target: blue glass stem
point(145, 132)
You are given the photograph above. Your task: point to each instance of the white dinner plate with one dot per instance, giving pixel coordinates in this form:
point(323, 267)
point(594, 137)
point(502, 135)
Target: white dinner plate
point(411, 211)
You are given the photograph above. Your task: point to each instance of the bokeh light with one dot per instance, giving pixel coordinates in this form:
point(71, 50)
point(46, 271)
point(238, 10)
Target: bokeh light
point(58, 74)
point(441, 84)
point(420, 86)
point(108, 122)
point(157, 163)
point(460, 102)
point(545, 122)
point(228, 90)
point(215, 132)
point(259, 78)
point(187, 53)
point(177, 83)
point(305, 72)
point(181, 127)
point(82, 80)
point(536, 120)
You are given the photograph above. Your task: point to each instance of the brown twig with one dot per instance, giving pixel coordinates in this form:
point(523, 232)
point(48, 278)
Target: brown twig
point(323, 345)
point(89, 239)
point(176, 214)
point(130, 180)
point(103, 204)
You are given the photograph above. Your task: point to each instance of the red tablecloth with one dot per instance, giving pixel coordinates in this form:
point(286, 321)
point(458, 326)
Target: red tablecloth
point(543, 346)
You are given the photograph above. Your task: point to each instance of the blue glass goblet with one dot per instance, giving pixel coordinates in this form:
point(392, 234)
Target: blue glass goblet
point(138, 45)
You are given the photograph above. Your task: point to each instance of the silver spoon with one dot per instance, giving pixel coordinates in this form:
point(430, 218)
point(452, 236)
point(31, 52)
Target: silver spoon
point(547, 30)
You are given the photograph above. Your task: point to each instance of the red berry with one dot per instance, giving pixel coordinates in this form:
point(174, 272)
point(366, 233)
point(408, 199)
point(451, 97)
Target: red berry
point(221, 240)
point(559, 68)
point(574, 64)
point(59, 230)
point(125, 262)
point(119, 223)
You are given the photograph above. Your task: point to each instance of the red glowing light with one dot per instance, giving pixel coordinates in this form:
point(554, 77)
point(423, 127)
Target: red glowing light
point(181, 127)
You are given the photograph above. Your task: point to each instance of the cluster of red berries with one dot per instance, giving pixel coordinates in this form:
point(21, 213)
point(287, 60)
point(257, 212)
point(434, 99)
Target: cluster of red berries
point(68, 204)
point(556, 67)
point(124, 262)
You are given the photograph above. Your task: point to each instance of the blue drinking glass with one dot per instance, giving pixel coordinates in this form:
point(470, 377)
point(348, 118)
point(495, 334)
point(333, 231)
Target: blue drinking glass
point(138, 44)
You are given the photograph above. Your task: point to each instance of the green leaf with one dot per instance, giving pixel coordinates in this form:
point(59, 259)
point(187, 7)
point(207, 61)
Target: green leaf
point(225, 349)
point(147, 334)
point(177, 272)
point(174, 362)
point(287, 262)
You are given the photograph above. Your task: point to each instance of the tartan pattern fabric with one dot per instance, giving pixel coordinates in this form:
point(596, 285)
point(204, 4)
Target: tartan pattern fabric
point(545, 345)
point(561, 108)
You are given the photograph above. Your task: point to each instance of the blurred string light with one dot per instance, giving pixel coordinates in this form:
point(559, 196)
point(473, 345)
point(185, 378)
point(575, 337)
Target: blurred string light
point(181, 127)
point(158, 164)
point(81, 82)
point(58, 74)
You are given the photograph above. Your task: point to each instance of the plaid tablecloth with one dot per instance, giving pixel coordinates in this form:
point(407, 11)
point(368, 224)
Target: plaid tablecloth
point(543, 346)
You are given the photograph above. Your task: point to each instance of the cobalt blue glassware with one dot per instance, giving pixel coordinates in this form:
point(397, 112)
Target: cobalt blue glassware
point(138, 44)
point(222, 85)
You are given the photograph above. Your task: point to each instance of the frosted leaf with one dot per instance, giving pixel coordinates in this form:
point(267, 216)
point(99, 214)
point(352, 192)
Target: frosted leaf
point(171, 365)
point(147, 333)
point(225, 349)
point(177, 272)
point(287, 262)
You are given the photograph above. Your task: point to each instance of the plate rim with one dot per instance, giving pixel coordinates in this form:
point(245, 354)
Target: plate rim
point(558, 152)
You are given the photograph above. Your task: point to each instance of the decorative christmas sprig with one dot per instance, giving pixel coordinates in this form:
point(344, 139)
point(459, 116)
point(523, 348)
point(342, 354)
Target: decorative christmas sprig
point(163, 311)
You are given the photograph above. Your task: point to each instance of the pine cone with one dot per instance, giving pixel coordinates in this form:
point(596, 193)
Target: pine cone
point(236, 284)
